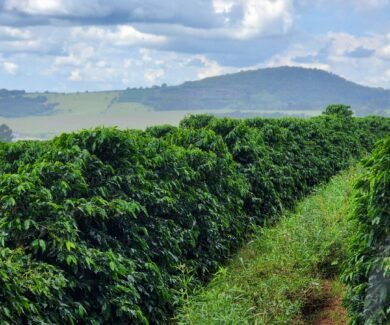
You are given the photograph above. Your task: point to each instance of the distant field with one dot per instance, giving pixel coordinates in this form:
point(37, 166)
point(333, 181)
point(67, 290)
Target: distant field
point(80, 103)
point(49, 126)
point(120, 115)
point(75, 111)
point(125, 108)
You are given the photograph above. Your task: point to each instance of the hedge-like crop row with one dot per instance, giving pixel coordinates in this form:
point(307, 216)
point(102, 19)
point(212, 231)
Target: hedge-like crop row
point(95, 226)
point(368, 272)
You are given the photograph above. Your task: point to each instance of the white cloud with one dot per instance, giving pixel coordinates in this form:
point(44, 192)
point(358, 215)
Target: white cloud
point(79, 55)
point(350, 4)
point(127, 63)
point(244, 20)
point(75, 75)
point(10, 67)
point(223, 6)
point(211, 68)
point(36, 7)
point(340, 44)
point(20, 46)
point(290, 58)
point(15, 33)
point(369, 70)
point(152, 75)
point(364, 4)
point(385, 52)
point(265, 17)
point(145, 55)
point(17, 40)
point(121, 35)
point(97, 72)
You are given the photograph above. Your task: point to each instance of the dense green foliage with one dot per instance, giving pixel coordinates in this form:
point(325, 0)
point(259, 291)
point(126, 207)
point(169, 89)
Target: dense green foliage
point(285, 88)
point(368, 272)
point(112, 216)
point(15, 103)
point(282, 159)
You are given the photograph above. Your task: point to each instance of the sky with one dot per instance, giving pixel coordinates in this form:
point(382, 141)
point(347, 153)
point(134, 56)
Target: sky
point(79, 45)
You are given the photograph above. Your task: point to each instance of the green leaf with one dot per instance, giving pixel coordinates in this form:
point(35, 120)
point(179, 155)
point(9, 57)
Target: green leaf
point(27, 224)
point(70, 245)
point(42, 245)
point(71, 259)
point(112, 266)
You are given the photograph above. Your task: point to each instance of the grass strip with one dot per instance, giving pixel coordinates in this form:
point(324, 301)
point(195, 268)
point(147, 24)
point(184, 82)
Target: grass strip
point(277, 277)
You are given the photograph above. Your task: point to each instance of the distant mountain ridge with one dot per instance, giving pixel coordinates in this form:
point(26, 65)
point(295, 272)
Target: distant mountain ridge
point(275, 92)
point(283, 88)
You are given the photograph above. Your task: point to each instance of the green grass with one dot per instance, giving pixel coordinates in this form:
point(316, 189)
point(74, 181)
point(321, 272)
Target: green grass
point(280, 272)
point(80, 103)
point(128, 107)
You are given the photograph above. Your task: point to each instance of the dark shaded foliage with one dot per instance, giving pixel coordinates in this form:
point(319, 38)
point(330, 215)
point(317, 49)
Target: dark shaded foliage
point(16, 103)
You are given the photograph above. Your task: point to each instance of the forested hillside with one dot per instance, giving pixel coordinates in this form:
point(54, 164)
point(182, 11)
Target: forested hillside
point(16, 103)
point(271, 92)
point(106, 220)
point(285, 88)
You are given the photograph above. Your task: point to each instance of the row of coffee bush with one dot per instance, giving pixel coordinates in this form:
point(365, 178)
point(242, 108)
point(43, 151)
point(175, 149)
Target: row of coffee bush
point(367, 274)
point(97, 226)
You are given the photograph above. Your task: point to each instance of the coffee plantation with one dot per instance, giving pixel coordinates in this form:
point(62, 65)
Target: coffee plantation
point(96, 226)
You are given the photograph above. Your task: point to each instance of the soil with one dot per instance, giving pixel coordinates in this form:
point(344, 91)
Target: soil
point(327, 308)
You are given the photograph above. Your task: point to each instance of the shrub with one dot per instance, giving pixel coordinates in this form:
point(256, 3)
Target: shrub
point(368, 271)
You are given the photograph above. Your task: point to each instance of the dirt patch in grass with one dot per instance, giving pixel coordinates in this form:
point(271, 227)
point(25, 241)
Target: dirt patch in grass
point(327, 307)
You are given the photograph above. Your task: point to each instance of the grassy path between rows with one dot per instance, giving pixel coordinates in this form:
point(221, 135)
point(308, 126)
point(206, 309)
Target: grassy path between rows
point(287, 273)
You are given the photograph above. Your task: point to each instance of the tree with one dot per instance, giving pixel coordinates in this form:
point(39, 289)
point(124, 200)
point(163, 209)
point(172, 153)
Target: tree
point(5, 133)
point(339, 110)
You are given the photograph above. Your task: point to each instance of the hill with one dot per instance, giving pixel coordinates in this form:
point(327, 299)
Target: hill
point(17, 103)
point(284, 88)
point(281, 91)
point(272, 92)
